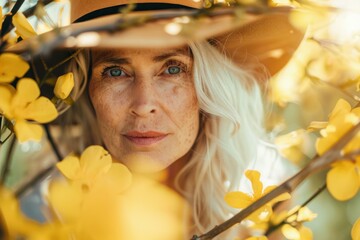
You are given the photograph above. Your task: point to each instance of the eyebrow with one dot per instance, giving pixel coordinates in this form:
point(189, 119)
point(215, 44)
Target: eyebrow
point(108, 56)
point(177, 52)
point(113, 60)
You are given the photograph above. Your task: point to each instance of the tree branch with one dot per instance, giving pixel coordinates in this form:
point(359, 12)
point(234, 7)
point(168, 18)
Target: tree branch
point(58, 36)
point(317, 164)
point(52, 143)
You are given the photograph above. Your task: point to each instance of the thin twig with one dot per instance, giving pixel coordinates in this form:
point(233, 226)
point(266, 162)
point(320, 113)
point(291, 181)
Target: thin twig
point(6, 27)
point(45, 172)
point(4, 124)
point(6, 167)
point(317, 164)
point(312, 197)
point(49, 70)
point(21, 190)
point(52, 143)
point(351, 155)
point(320, 190)
point(31, 11)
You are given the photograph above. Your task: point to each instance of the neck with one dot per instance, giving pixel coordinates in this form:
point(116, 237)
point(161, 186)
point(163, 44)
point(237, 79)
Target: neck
point(174, 169)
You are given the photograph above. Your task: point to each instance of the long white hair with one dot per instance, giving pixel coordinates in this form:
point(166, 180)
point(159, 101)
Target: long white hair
point(232, 129)
point(230, 132)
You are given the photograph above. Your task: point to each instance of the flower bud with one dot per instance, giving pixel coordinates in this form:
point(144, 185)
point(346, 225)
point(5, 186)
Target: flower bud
point(64, 85)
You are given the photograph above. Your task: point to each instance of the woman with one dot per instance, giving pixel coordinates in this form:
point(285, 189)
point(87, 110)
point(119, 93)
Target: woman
point(188, 109)
point(182, 113)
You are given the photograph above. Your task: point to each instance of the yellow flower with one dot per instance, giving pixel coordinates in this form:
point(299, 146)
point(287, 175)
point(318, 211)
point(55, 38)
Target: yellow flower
point(242, 200)
point(91, 178)
point(294, 219)
point(52, 230)
point(1, 17)
point(292, 145)
point(64, 85)
point(343, 180)
point(301, 18)
point(355, 231)
point(341, 119)
point(11, 66)
point(95, 168)
point(25, 104)
point(305, 215)
point(294, 216)
point(293, 233)
point(23, 27)
point(15, 222)
point(257, 238)
point(95, 201)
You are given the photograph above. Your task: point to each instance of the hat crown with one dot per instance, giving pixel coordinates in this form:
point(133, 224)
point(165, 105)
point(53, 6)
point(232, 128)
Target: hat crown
point(80, 8)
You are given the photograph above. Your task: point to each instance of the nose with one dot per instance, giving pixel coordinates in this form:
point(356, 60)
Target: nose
point(144, 99)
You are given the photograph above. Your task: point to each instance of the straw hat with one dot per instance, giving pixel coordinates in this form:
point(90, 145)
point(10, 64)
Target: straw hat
point(249, 36)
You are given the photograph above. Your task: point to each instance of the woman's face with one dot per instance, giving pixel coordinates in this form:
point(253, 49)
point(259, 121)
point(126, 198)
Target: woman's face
point(146, 105)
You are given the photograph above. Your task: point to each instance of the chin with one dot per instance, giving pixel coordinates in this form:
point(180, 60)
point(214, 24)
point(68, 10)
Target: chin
point(144, 163)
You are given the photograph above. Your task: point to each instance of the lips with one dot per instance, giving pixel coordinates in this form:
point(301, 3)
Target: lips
point(145, 138)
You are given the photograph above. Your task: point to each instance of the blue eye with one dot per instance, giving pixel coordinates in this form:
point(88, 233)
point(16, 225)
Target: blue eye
point(173, 70)
point(115, 72)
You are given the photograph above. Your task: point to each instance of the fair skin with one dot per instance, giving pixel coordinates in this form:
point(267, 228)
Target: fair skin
point(146, 105)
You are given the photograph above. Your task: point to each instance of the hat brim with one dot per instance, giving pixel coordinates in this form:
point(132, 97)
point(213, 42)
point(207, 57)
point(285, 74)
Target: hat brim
point(249, 37)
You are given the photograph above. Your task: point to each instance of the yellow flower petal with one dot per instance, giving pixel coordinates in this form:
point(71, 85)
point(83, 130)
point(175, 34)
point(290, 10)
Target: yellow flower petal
point(16, 223)
point(25, 131)
point(301, 18)
point(69, 167)
point(355, 231)
point(65, 199)
point(291, 145)
point(41, 110)
point(278, 217)
point(323, 144)
point(118, 178)
point(280, 198)
point(1, 17)
point(94, 161)
point(341, 119)
point(27, 91)
point(257, 186)
point(290, 232)
point(343, 180)
point(305, 233)
point(257, 238)
point(341, 107)
point(261, 215)
point(315, 125)
point(238, 199)
point(305, 215)
point(23, 27)
point(6, 94)
point(11, 66)
point(64, 85)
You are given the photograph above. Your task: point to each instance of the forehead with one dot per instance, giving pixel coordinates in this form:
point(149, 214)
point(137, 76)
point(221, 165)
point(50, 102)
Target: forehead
point(103, 55)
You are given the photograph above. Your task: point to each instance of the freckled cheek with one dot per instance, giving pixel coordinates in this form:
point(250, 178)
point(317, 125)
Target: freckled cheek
point(108, 107)
point(186, 110)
